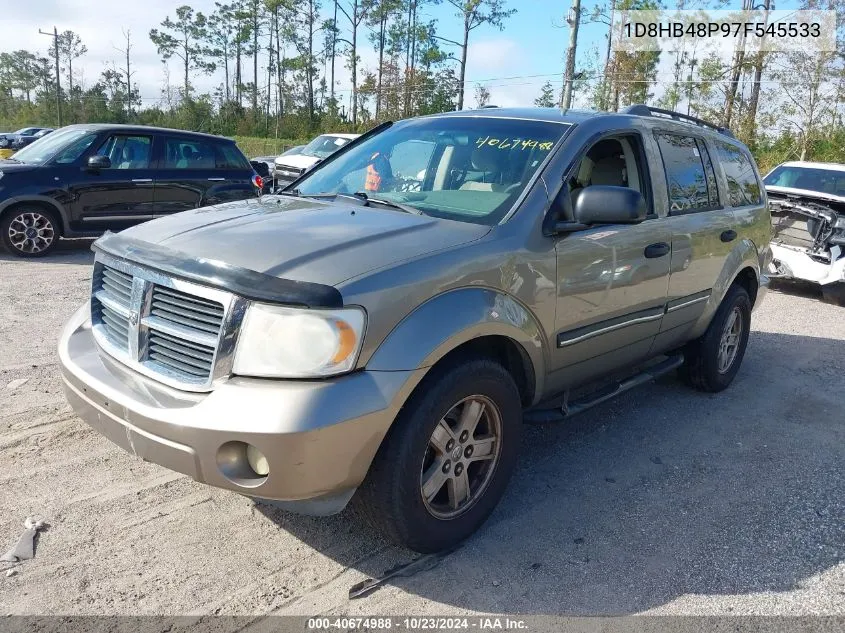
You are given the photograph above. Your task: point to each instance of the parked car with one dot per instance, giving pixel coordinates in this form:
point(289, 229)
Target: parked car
point(365, 336)
point(85, 179)
point(10, 141)
point(292, 164)
point(807, 201)
point(22, 140)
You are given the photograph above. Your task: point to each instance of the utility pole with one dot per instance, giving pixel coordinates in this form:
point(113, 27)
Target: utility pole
point(573, 20)
point(55, 36)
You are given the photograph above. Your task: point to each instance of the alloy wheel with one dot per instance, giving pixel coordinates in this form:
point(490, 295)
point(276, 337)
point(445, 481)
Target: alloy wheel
point(31, 232)
point(730, 340)
point(461, 457)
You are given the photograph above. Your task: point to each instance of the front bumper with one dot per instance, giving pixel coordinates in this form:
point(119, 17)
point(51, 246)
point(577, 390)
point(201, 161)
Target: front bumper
point(794, 263)
point(319, 437)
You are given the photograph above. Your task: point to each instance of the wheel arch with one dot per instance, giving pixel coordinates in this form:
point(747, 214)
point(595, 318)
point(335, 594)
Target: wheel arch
point(743, 267)
point(44, 202)
point(478, 321)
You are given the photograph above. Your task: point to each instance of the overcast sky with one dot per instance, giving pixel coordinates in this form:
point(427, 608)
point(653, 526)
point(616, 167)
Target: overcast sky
point(513, 63)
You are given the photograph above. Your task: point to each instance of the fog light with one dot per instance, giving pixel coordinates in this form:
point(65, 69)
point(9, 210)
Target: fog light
point(257, 461)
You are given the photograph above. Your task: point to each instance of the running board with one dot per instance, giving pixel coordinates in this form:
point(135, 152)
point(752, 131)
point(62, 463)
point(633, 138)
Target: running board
point(568, 409)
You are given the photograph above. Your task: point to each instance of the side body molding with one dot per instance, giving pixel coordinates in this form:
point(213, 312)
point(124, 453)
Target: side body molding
point(448, 320)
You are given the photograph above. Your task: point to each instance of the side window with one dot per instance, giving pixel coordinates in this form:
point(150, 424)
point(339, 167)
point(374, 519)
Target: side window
point(743, 187)
point(615, 161)
point(127, 152)
point(686, 179)
point(712, 190)
point(229, 157)
point(188, 154)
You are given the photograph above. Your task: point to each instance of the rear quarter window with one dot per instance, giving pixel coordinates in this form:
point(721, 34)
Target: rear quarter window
point(230, 157)
point(743, 186)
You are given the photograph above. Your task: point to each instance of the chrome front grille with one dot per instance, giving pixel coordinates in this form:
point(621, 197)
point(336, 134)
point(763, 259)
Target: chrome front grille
point(180, 355)
point(187, 311)
point(112, 297)
point(165, 328)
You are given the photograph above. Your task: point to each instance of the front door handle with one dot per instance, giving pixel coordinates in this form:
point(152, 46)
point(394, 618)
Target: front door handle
point(657, 250)
point(728, 236)
point(217, 179)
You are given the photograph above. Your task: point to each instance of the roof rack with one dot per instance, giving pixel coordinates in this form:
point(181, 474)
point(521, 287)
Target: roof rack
point(645, 110)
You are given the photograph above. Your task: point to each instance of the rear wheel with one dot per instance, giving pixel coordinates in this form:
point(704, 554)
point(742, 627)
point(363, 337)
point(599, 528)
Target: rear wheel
point(447, 459)
point(29, 231)
point(712, 361)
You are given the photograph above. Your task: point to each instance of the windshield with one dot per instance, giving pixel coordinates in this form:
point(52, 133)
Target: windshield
point(66, 145)
point(830, 181)
point(324, 145)
point(465, 168)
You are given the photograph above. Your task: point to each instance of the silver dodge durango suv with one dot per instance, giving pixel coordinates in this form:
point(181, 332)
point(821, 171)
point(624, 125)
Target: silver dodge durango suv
point(381, 329)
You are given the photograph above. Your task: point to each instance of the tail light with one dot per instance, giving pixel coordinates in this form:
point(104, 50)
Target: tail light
point(258, 182)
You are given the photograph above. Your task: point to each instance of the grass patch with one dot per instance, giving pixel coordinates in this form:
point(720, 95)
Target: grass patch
point(255, 146)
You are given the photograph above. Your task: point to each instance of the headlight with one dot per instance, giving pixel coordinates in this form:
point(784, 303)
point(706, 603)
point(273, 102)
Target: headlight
point(282, 342)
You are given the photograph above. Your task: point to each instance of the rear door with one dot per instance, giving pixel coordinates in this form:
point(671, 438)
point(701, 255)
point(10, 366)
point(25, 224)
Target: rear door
point(232, 174)
point(702, 228)
point(197, 172)
point(121, 195)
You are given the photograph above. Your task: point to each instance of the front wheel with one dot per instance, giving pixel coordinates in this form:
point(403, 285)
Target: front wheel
point(712, 361)
point(447, 459)
point(29, 231)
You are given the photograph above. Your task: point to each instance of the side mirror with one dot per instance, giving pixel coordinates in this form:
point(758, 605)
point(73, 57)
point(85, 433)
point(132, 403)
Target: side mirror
point(604, 204)
point(99, 162)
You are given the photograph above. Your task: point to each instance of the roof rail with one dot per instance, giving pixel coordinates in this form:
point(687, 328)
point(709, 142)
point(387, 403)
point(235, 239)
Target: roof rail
point(640, 109)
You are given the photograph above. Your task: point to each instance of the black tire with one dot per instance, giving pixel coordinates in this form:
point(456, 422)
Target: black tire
point(701, 357)
point(391, 498)
point(46, 223)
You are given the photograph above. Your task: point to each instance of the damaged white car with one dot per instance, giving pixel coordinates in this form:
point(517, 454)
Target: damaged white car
point(807, 201)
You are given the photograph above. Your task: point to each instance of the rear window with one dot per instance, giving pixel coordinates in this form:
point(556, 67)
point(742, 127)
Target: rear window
point(188, 154)
point(743, 187)
point(690, 187)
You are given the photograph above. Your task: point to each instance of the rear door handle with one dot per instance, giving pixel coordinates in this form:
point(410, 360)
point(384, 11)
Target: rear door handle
point(142, 180)
point(728, 236)
point(217, 179)
point(657, 250)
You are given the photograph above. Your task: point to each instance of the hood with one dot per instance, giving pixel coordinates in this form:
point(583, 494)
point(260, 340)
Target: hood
point(11, 167)
point(300, 161)
point(805, 193)
point(303, 239)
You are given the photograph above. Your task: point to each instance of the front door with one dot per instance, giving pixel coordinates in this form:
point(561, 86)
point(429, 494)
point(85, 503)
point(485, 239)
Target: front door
point(612, 279)
point(120, 195)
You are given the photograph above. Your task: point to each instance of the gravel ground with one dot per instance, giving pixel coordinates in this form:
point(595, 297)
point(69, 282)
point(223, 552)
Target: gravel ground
point(664, 501)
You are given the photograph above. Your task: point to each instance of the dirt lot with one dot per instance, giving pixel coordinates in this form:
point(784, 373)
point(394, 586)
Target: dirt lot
point(664, 501)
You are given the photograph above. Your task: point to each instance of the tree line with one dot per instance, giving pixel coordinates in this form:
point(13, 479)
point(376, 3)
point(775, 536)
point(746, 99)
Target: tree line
point(278, 62)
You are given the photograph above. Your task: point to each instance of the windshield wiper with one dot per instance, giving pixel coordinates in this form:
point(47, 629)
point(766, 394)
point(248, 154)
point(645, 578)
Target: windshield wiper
point(388, 203)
